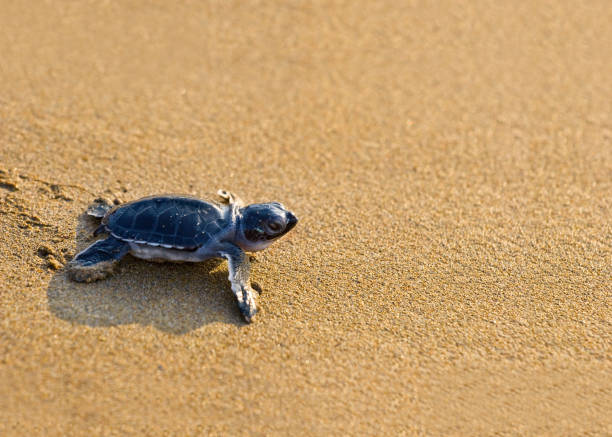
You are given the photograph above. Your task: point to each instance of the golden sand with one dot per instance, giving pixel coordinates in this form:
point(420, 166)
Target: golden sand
point(451, 165)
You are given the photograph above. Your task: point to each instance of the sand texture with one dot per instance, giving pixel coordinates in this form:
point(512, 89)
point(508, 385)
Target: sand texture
point(451, 166)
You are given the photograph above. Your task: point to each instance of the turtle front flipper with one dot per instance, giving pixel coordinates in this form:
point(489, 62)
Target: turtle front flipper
point(230, 198)
point(97, 261)
point(239, 272)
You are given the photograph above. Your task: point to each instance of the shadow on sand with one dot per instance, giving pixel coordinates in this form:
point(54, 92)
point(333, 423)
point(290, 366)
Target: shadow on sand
point(174, 298)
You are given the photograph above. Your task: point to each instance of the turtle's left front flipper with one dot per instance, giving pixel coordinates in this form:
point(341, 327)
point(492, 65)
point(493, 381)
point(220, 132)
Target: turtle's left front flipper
point(230, 198)
point(239, 273)
point(97, 261)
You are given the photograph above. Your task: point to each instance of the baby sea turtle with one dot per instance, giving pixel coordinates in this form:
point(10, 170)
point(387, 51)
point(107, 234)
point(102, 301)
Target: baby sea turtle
point(182, 228)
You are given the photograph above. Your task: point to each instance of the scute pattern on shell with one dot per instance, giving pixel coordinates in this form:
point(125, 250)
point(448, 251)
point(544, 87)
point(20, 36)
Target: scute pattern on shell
point(168, 221)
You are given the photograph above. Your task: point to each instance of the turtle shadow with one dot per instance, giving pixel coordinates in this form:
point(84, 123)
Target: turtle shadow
point(174, 298)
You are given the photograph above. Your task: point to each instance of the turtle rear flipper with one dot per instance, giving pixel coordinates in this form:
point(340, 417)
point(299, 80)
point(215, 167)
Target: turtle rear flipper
point(97, 261)
point(99, 208)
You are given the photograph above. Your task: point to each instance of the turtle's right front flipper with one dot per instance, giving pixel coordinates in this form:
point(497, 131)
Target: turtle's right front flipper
point(239, 270)
point(97, 261)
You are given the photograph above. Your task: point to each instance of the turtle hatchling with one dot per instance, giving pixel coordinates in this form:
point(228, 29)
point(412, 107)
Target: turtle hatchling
point(182, 228)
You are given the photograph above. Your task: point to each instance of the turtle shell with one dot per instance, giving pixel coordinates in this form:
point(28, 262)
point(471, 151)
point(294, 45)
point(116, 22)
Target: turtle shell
point(178, 222)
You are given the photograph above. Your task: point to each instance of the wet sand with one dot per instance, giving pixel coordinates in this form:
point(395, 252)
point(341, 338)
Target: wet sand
point(451, 166)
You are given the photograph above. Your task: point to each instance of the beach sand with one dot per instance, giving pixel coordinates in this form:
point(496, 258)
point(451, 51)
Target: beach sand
point(451, 166)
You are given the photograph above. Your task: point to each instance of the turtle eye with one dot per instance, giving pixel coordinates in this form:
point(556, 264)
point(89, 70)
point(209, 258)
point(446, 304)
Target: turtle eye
point(274, 226)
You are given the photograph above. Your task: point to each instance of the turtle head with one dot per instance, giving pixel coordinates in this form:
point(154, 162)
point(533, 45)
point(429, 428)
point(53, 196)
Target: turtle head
point(262, 223)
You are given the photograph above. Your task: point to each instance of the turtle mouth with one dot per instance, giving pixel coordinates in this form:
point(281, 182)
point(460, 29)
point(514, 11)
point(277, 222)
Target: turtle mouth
point(291, 222)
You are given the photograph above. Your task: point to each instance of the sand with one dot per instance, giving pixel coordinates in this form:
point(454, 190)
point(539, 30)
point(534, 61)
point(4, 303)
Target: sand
point(451, 165)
